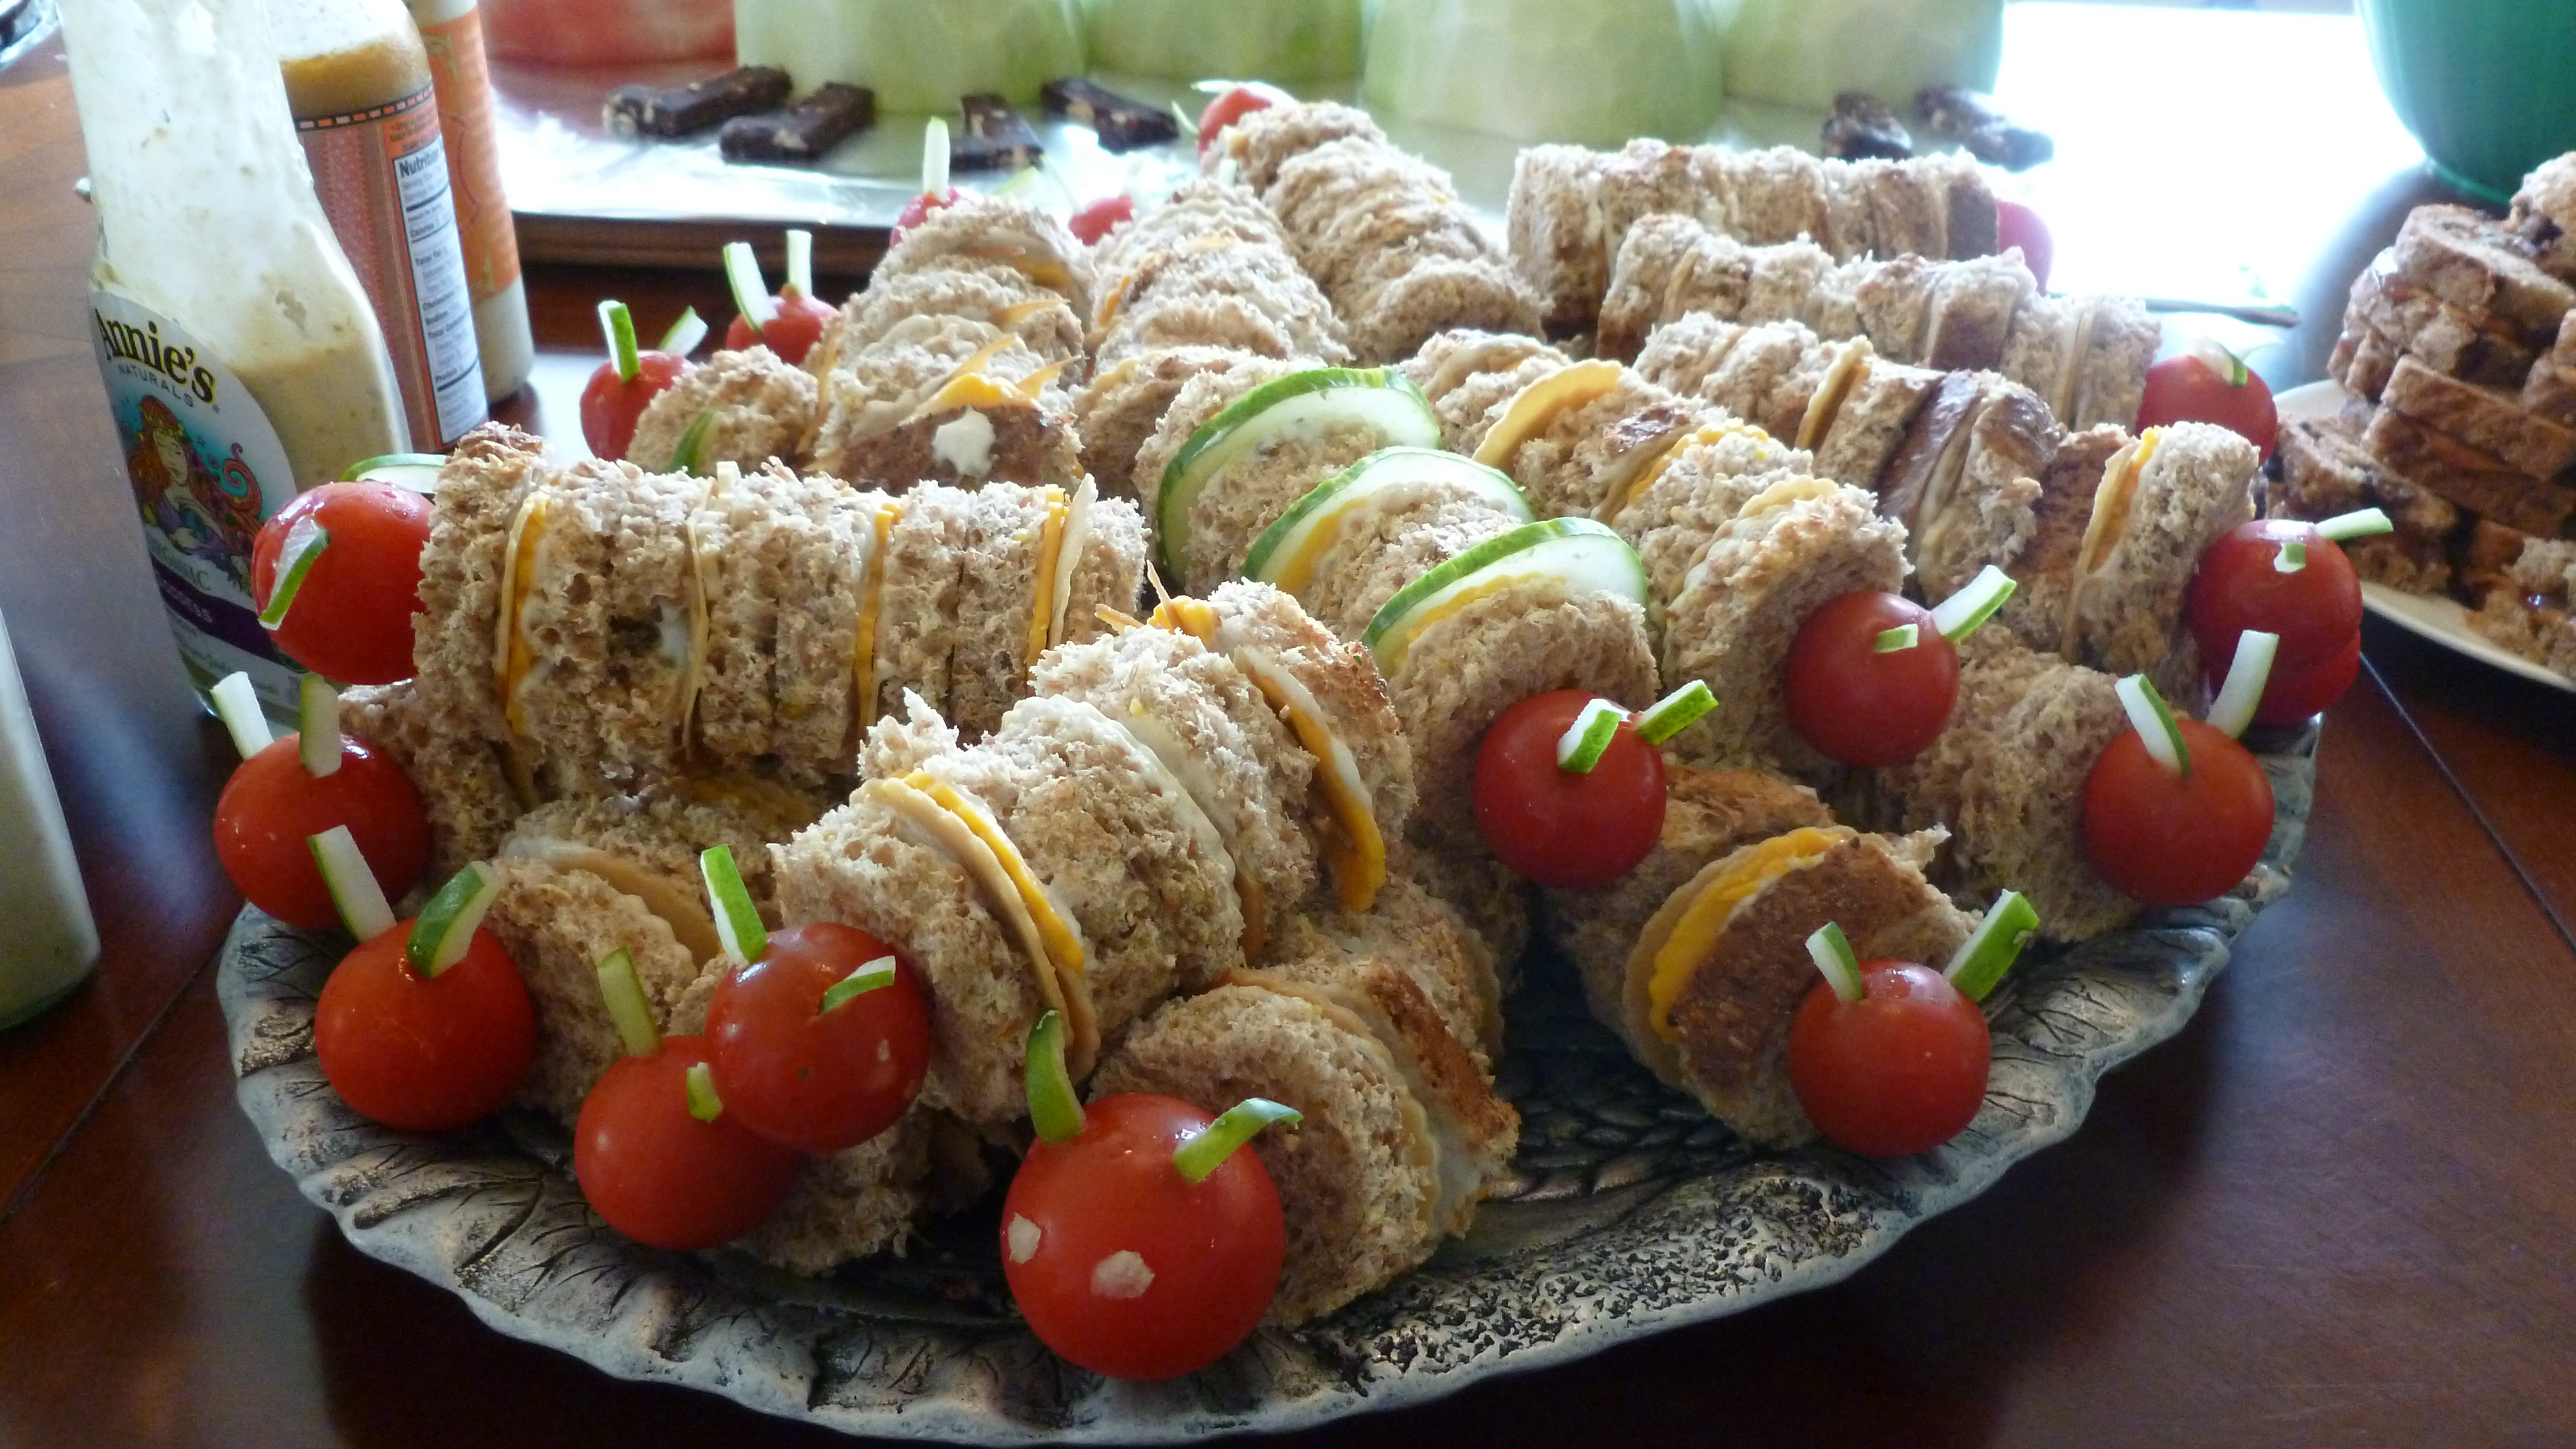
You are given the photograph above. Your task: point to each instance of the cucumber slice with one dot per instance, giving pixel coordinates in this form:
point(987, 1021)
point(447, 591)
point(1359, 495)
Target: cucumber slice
point(1279, 555)
point(1587, 556)
point(1302, 403)
point(317, 726)
point(445, 927)
point(415, 471)
point(352, 884)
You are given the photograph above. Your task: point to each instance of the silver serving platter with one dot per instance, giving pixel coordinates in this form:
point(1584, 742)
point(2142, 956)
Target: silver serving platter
point(1631, 1212)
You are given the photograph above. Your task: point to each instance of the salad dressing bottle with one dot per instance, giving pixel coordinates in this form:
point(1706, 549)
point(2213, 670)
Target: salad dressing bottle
point(241, 359)
point(358, 82)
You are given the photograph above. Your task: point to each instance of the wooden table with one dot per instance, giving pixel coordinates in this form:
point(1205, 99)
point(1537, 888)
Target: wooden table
point(2338, 1209)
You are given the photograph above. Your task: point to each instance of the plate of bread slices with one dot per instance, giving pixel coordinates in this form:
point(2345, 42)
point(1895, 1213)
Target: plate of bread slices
point(1110, 637)
point(2451, 406)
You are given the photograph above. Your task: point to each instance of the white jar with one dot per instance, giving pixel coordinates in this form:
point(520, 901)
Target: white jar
point(47, 940)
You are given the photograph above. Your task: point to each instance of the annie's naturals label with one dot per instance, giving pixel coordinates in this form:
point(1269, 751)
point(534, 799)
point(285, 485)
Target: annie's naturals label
point(206, 469)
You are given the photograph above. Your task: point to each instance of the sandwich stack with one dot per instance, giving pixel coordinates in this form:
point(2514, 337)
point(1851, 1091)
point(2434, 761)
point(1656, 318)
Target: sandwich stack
point(591, 630)
point(2087, 356)
point(2459, 353)
point(1382, 232)
point(1570, 209)
point(954, 366)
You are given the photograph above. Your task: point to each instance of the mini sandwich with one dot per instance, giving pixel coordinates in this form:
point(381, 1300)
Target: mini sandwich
point(1384, 235)
point(1718, 972)
point(1265, 140)
point(742, 407)
point(994, 229)
point(1766, 374)
point(581, 878)
point(1203, 207)
point(1213, 733)
point(606, 628)
point(1002, 872)
point(593, 643)
point(993, 293)
point(2163, 500)
point(1965, 480)
point(953, 401)
point(1333, 700)
point(1679, 503)
point(1420, 937)
point(1402, 1133)
point(2045, 569)
point(1794, 547)
point(462, 782)
point(1118, 410)
point(1364, 534)
point(1460, 356)
point(1708, 814)
point(1861, 413)
point(1215, 288)
point(2007, 778)
point(1577, 440)
point(1236, 452)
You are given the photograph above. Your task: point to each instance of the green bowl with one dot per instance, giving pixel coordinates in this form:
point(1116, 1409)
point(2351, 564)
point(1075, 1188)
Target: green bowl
point(2487, 86)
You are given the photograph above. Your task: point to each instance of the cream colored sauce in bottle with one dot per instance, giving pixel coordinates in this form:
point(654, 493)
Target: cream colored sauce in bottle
point(241, 358)
point(358, 81)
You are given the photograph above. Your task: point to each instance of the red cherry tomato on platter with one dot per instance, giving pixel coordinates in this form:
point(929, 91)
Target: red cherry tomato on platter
point(425, 1055)
point(1124, 1266)
point(1554, 826)
point(2211, 385)
point(1101, 218)
point(610, 404)
point(1862, 707)
point(351, 619)
point(2316, 609)
point(818, 1081)
point(917, 211)
point(1902, 1070)
point(2176, 840)
point(1233, 105)
point(791, 334)
point(661, 1176)
point(273, 806)
point(2301, 695)
point(2017, 225)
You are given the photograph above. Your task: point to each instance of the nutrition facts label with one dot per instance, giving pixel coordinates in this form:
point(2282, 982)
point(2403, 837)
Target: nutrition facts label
point(438, 275)
point(382, 178)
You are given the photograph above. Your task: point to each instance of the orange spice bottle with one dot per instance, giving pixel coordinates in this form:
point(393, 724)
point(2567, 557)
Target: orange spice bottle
point(358, 81)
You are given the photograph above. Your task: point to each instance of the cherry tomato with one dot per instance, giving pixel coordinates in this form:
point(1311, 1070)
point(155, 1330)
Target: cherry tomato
point(2210, 385)
point(917, 211)
point(661, 1176)
point(818, 1081)
point(1899, 1071)
point(1860, 706)
point(1124, 1266)
point(610, 404)
point(1556, 827)
point(2298, 696)
point(2175, 840)
point(272, 806)
point(420, 1054)
point(2316, 609)
point(351, 620)
point(1234, 105)
point(791, 334)
point(1101, 218)
point(2017, 225)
